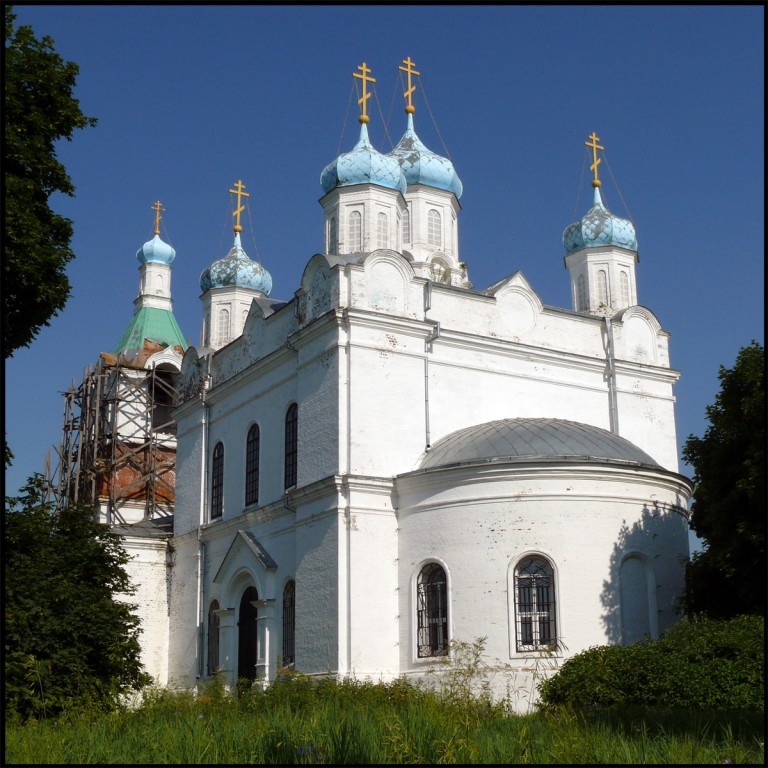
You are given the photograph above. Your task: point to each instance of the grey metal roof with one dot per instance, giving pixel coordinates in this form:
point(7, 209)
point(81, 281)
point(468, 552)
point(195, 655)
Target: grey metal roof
point(530, 439)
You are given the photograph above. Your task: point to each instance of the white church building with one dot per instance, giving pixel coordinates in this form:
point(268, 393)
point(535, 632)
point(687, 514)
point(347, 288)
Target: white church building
point(394, 459)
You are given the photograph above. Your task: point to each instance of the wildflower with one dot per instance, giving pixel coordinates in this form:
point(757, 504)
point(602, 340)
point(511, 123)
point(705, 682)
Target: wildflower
point(727, 762)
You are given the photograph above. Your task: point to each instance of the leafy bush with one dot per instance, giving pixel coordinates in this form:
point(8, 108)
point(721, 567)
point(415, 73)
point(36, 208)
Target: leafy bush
point(700, 664)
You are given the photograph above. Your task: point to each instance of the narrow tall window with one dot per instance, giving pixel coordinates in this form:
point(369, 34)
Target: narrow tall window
point(207, 329)
point(213, 638)
point(223, 327)
point(355, 232)
point(535, 605)
point(252, 465)
point(602, 287)
point(291, 445)
point(406, 226)
point(289, 623)
point(432, 611)
point(434, 228)
point(624, 288)
point(333, 235)
point(581, 294)
point(383, 231)
point(217, 481)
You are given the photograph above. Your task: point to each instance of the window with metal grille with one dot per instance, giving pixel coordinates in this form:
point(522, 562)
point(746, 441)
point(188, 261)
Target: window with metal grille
point(355, 232)
point(252, 465)
point(432, 611)
point(434, 228)
point(291, 445)
point(213, 638)
point(383, 231)
point(217, 481)
point(602, 287)
point(289, 623)
point(581, 294)
point(535, 605)
point(333, 235)
point(406, 226)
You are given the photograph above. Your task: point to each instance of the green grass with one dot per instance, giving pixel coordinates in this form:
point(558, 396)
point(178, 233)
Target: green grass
point(300, 721)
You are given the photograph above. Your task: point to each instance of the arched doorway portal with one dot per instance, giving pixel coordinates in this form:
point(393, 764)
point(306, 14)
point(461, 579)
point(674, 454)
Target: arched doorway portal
point(247, 642)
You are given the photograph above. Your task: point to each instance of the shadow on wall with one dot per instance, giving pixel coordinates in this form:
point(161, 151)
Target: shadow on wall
point(646, 575)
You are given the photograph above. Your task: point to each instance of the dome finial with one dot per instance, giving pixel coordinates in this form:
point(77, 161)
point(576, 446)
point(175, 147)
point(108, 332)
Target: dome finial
point(239, 187)
point(364, 98)
point(408, 69)
point(157, 207)
point(595, 159)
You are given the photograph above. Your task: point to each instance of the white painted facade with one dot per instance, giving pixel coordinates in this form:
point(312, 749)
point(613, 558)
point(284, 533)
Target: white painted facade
point(386, 351)
point(383, 363)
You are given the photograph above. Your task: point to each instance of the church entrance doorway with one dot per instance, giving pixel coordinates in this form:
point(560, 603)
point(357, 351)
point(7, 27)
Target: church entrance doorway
point(247, 641)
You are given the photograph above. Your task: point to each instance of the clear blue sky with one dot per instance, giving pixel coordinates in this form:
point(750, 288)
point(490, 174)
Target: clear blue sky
point(191, 98)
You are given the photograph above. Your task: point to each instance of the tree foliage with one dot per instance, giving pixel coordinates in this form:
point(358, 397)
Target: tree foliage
point(729, 509)
point(703, 664)
point(67, 639)
point(39, 110)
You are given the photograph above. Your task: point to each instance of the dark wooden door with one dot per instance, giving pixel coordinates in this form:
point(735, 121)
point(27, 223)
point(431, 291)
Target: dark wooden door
point(247, 643)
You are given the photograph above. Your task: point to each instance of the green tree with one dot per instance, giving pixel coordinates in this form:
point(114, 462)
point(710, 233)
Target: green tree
point(68, 639)
point(39, 110)
point(729, 509)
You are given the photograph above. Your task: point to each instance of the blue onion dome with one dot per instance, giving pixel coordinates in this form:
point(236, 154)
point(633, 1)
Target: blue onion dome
point(422, 166)
point(363, 165)
point(599, 227)
point(155, 251)
point(236, 270)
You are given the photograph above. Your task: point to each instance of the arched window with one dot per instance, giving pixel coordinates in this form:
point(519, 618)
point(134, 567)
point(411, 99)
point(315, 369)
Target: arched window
point(535, 605)
point(432, 611)
point(291, 445)
point(289, 623)
point(383, 231)
point(252, 465)
point(406, 226)
point(624, 288)
point(217, 481)
point(581, 294)
point(223, 328)
point(207, 329)
point(213, 638)
point(355, 232)
point(163, 389)
point(434, 228)
point(602, 287)
point(638, 600)
point(333, 235)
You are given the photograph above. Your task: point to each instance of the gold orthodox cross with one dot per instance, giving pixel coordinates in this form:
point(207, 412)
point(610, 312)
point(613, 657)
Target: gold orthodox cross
point(364, 77)
point(411, 88)
point(595, 159)
point(239, 187)
point(157, 207)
